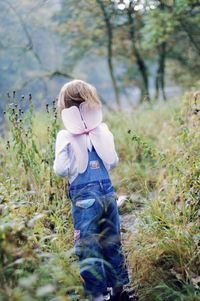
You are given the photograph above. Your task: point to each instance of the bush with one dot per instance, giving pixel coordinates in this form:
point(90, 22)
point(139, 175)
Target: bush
point(37, 261)
point(165, 256)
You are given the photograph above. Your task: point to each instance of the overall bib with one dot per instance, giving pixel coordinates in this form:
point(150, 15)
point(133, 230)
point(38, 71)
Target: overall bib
point(97, 228)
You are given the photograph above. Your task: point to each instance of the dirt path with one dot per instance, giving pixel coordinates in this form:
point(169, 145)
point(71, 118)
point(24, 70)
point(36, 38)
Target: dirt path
point(129, 214)
point(129, 209)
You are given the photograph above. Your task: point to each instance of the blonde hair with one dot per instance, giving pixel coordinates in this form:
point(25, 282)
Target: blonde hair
point(75, 92)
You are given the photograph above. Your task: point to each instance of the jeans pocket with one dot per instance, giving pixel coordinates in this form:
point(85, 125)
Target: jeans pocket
point(86, 203)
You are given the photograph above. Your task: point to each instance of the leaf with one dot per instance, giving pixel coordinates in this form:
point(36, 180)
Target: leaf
point(196, 281)
point(28, 281)
point(35, 219)
point(45, 290)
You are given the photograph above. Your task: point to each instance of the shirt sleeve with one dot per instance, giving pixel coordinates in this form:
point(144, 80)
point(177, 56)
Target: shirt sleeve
point(114, 164)
point(62, 160)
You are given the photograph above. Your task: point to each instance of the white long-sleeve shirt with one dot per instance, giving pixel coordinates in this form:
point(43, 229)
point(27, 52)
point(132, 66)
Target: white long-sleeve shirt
point(65, 164)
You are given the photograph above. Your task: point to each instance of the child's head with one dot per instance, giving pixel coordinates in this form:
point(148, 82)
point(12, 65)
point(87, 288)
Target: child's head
point(75, 92)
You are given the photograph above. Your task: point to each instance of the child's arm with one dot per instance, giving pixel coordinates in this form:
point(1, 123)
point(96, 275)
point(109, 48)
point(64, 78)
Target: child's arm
point(62, 159)
point(114, 164)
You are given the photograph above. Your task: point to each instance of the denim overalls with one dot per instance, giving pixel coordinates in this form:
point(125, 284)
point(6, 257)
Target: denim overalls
point(97, 228)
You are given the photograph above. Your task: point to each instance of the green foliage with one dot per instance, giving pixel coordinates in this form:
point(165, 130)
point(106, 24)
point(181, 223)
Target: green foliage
point(159, 27)
point(23, 140)
point(161, 33)
point(35, 161)
point(158, 147)
point(36, 261)
point(137, 135)
point(35, 245)
point(165, 250)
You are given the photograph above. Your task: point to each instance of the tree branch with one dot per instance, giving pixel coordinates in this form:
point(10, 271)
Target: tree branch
point(192, 40)
point(24, 27)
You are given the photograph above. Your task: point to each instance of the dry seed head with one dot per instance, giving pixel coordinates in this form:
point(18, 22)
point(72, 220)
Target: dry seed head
point(47, 108)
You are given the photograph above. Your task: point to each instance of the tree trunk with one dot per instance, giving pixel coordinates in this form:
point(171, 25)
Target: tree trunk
point(109, 50)
point(160, 75)
point(139, 60)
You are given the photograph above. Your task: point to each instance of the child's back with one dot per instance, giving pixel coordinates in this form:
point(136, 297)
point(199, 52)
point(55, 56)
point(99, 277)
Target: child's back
point(85, 152)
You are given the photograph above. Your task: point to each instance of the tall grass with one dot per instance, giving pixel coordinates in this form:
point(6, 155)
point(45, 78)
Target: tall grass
point(164, 254)
point(36, 261)
point(158, 147)
point(142, 136)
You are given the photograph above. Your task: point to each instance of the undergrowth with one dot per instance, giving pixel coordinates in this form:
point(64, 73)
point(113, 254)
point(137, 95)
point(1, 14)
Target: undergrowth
point(36, 249)
point(158, 147)
point(164, 255)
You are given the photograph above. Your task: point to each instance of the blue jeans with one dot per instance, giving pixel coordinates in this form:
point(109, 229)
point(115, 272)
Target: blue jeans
point(97, 236)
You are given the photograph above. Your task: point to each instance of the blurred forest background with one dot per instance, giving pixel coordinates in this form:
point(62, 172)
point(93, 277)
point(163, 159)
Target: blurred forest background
point(134, 52)
point(130, 50)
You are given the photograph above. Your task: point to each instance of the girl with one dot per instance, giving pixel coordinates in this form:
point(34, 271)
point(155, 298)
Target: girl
point(85, 152)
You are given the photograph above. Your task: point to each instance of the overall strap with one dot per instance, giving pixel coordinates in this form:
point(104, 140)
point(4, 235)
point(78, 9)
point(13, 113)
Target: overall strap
point(95, 171)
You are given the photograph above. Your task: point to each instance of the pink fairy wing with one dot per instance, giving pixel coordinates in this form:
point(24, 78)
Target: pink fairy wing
point(74, 124)
point(87, 120)
point(72, 120)
point(79, 145)
point(103, 142)
point(91, 117)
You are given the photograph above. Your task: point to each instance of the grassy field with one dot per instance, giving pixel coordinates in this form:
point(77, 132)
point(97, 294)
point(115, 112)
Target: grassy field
point(158, 146)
